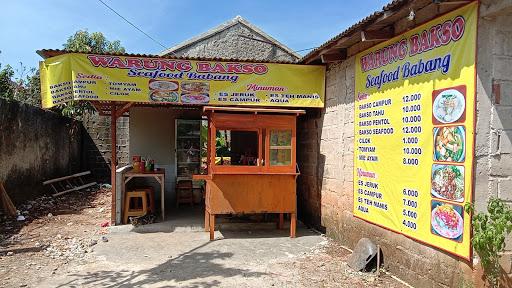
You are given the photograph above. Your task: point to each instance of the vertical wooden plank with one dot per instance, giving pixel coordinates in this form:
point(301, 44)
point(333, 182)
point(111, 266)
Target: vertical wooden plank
point(496, 90)
point(113, 160)
point(294, 142)
point(260, 147)
point(206, 220)
point(212, 227)
point(162, 190)
point(123, 197)
point(293, 224)
point(281, 221)
point(267, 149)
point(208, 146)
point(6, 201)
point(212, 144)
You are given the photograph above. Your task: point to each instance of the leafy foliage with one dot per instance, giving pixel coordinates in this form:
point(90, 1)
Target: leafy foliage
point(83, 41)
point(95, 42)
point(6, 84)
point(489, 232)
point(20, 84)
point(23, 84)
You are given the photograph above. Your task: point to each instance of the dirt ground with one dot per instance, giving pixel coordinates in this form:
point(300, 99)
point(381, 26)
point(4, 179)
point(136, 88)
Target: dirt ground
point(56, 233)
point(60, 245)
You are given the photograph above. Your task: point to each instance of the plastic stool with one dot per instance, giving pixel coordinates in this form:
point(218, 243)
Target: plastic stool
point(137, 210)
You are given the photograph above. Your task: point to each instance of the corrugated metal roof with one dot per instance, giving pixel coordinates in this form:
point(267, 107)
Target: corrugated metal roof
point(47, 53)
point(362, 23)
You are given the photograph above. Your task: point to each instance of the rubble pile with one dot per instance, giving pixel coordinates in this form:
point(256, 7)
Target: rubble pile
point(70, 249)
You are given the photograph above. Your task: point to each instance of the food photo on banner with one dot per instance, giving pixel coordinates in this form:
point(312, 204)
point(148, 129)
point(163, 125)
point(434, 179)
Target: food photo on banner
point(414, 127)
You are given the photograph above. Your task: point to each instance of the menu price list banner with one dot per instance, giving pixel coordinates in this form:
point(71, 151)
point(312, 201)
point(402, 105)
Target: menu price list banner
point(414, 132)
point(94, 77)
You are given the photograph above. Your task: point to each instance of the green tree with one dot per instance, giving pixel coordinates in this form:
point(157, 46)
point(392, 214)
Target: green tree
point(6, 84)
point(24, 84)
point(20, 84)
point(95, 42)
point(83, 41)
point(27, 86)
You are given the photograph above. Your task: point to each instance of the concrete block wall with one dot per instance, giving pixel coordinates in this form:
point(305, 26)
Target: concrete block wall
point(325, 156)
point(97, 148)
point(230, 43)
point(494, 122)
point(494, 110)
point(36, 145)
point(325, 189)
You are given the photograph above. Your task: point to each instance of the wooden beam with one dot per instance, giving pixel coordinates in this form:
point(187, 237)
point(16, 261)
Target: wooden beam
point(7, 204)
point(253, 110)
point(99, 107)
point(341, 42)
point(125, 108)
point(339, 55)
point(379, 35)
point(66, 177)
point(113, 160)
point(385, 15)
point(452, 2)
point(74, 189)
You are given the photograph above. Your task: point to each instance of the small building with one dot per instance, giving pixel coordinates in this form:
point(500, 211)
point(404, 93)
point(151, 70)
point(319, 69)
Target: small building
point(234, 39)
point(415, 123)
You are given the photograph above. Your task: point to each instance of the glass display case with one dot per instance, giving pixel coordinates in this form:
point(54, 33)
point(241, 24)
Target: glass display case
point(280, 147)
point(188, 148)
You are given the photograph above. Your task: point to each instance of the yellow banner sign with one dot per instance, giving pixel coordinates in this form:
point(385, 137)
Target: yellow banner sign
point(414, 131)
point(178, 81)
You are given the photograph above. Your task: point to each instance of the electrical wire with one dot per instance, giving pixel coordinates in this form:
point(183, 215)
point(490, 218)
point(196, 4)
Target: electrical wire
point(133, 25)
point(156, 41)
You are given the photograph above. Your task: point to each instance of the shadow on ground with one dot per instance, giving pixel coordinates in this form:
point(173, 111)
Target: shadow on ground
point(198, 266)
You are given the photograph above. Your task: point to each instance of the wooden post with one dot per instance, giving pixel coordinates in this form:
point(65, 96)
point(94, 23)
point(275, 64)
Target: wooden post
point(206, 220)
point(113, 160)
point(293, 224)
point(378, 260)
point(212, 227)
point(280, 221)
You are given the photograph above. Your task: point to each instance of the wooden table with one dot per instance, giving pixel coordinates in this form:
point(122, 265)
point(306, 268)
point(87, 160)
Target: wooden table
point(158, 175)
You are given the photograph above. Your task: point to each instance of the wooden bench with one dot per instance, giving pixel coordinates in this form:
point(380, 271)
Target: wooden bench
point(69, 183)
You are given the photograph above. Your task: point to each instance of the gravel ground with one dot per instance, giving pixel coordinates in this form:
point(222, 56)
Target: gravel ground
point(56, 233)
point(61, 242)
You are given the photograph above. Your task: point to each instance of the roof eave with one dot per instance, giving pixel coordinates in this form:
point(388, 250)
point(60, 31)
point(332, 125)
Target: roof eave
point(48, 53)
point(371, 23)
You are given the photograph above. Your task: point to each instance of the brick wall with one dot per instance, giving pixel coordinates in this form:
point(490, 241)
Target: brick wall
point(325, 156)
point(494, 107)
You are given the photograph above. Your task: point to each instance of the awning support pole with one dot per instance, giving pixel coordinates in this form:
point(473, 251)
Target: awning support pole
point(113, 161)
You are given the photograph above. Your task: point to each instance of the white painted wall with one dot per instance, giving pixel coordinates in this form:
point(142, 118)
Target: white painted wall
point(152, 134)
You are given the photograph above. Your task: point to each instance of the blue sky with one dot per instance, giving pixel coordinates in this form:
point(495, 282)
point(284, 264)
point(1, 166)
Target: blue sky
point(29, 25)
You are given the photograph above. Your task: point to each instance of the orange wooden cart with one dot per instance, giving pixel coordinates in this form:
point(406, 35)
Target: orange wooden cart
point(254, 171)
